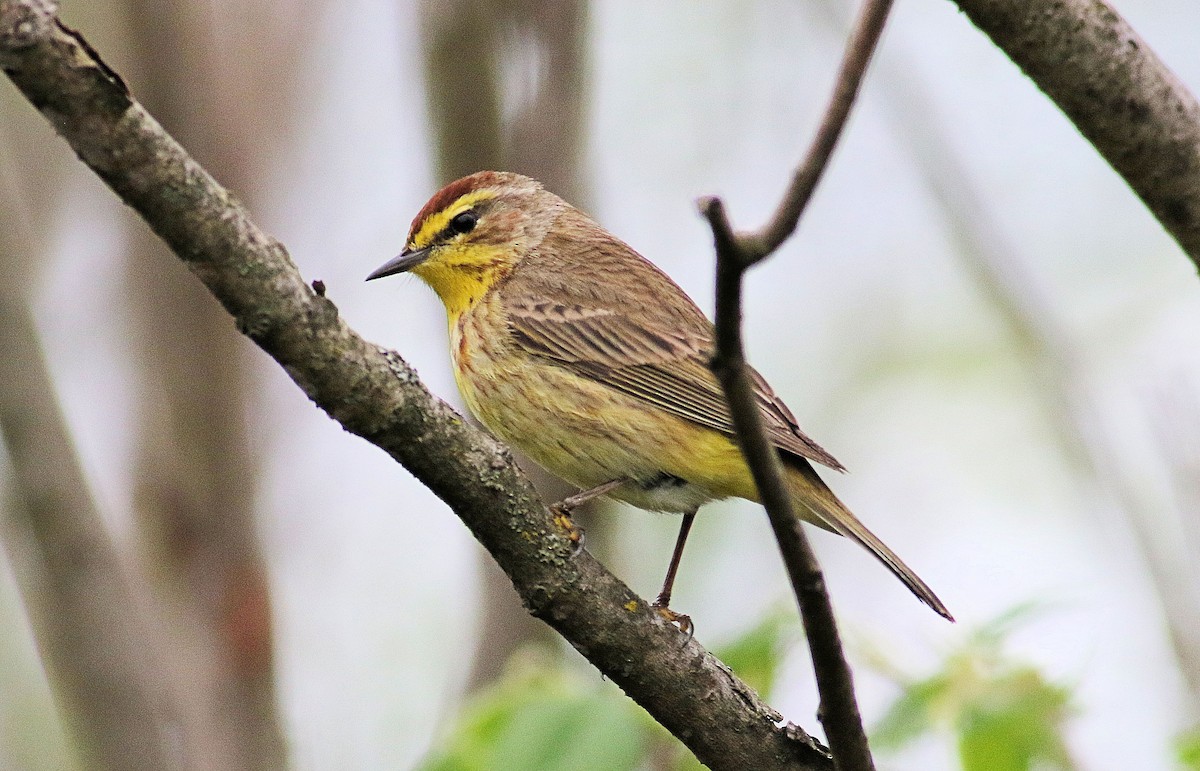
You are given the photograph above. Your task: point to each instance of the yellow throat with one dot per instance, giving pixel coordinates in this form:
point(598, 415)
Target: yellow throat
point(460, 272)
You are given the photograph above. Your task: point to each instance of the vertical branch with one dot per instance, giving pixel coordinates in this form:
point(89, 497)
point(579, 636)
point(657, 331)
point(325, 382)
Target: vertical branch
point(462, 90)
point(461, 40)
point(203, 69)
point(89, 624)
point(545, 139)
point(735, 254)
point(464, 72)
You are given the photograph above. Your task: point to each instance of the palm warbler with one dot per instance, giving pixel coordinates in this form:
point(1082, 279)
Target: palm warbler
point(579, 352)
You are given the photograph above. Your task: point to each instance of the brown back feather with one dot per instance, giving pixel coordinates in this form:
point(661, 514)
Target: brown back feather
point(600, 309)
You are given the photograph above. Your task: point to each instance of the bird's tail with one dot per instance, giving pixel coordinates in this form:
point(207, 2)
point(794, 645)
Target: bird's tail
point(821, 507)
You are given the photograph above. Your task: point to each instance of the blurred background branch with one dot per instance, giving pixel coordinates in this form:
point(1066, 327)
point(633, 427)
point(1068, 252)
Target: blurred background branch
point(92, 629)
point(505, 85)
point(209, 72)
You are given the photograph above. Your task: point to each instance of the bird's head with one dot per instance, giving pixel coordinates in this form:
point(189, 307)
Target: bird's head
point(471, 233)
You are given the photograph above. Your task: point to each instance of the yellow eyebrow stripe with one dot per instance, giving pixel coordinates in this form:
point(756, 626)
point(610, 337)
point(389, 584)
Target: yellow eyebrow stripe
point(435, 223)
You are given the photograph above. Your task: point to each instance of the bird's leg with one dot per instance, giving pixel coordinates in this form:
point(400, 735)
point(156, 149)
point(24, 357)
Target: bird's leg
point(567, 505)
point(562, 510)
point(663, 601)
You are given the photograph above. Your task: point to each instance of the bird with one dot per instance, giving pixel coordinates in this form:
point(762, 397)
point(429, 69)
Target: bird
point(578, 351)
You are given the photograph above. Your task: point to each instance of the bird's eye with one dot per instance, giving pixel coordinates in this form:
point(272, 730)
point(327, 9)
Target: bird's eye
point(465, 222)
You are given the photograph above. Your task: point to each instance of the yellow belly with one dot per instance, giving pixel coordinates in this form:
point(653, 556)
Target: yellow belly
point(588, 433)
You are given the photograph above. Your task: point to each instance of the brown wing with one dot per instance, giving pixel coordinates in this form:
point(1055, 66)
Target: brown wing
point(658, 352)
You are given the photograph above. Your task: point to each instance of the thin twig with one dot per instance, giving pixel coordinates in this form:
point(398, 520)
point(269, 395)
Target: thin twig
point(863, 39)
point(735, 254)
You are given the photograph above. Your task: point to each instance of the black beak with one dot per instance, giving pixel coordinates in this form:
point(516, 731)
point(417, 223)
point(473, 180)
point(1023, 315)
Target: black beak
point(406, 260)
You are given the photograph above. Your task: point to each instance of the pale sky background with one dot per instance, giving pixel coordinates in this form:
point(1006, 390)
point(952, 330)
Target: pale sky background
point(869, 323)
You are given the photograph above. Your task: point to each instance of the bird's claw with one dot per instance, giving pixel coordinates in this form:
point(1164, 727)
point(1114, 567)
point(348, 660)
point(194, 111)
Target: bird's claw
point(573, 532)
point(679, 620)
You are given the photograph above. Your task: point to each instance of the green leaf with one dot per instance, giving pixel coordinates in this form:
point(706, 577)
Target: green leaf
point(1015, 724)
point(1187, 749)
point(539, 717)
point(910, 716)
point(755, 656)
point(1003, 715)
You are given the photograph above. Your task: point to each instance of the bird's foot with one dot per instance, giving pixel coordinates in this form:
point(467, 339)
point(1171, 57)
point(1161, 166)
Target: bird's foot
point(573, 532)
point(562, 510)
point(684, 623)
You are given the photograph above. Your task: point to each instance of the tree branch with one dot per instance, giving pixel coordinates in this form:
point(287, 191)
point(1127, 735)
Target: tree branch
point(1116, 91)
point(373, 393)
point(735, 254)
